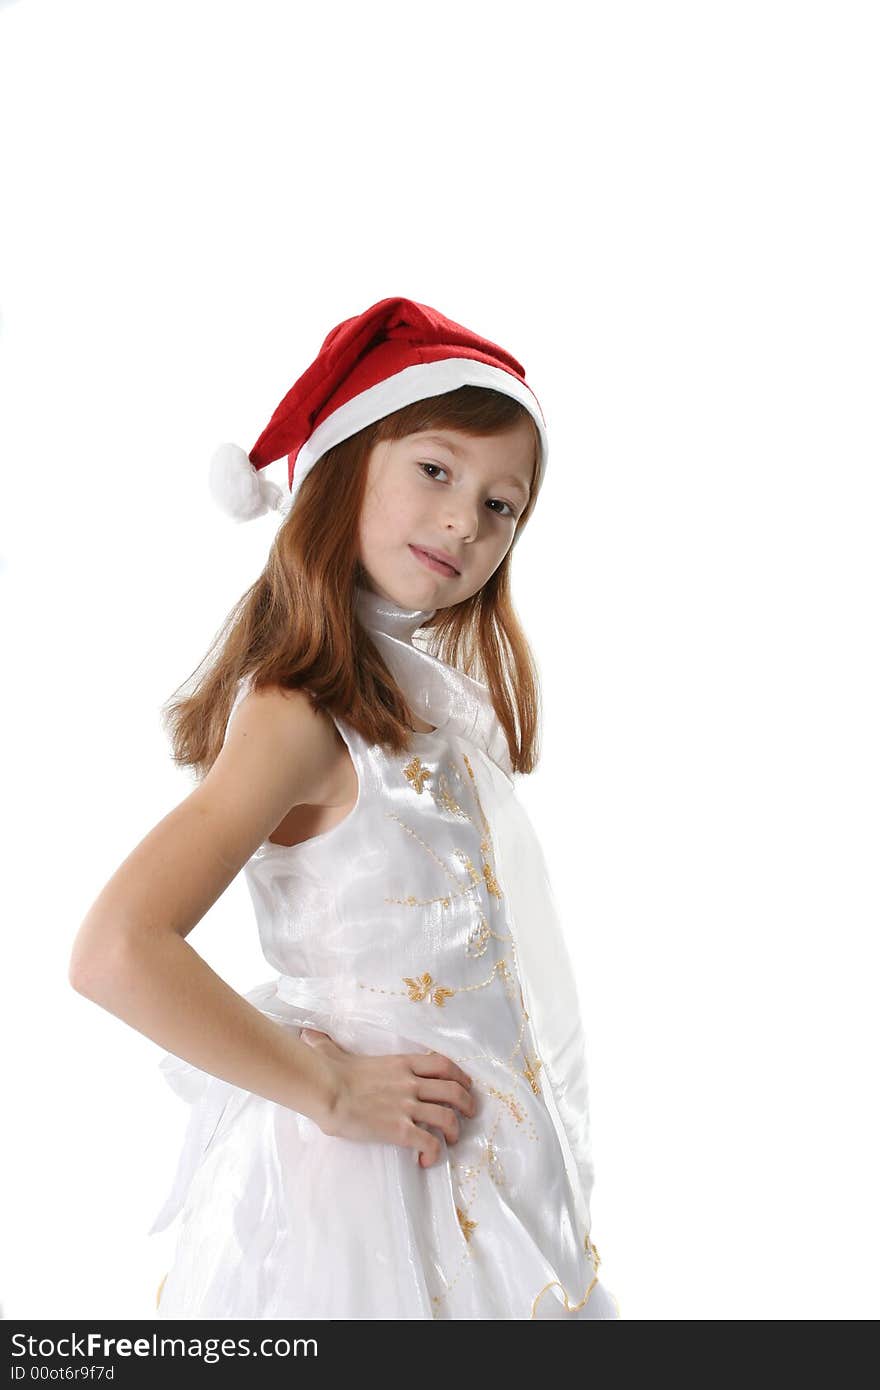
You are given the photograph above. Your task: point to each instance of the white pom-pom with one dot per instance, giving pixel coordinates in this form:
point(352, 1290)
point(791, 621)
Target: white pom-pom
point(239, 489)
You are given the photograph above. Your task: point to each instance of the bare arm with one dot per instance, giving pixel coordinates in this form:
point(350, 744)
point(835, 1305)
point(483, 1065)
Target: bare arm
point(130, 955)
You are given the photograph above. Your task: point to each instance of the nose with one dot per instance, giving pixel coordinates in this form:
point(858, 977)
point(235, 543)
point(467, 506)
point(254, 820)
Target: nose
point(461, 517)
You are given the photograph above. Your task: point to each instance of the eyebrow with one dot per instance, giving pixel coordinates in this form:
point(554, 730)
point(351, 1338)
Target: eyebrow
point(454, 449)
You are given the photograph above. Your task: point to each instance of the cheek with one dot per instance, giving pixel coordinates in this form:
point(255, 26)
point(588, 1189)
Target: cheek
point(499, 551)
point(398, 516)
point(387, 519)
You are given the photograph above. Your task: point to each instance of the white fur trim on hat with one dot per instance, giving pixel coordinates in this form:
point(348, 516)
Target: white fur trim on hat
point(240, 490)
point(411, 384)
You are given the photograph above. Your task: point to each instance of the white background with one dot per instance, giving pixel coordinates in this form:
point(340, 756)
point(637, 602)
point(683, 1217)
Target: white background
point(669, 213)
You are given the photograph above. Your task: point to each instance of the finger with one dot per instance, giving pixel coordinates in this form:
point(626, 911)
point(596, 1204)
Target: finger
point(434, 1147)
point(442, 1117)
point(428, 1148)
point(439, 1065)
point(448, 1092)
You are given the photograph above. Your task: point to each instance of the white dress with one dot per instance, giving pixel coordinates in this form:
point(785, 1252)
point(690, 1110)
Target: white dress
point(391, 933)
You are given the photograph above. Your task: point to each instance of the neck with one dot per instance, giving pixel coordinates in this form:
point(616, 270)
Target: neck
point(384, 615)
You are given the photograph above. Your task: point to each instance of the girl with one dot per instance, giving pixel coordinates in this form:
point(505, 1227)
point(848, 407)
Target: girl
point(397, 1125)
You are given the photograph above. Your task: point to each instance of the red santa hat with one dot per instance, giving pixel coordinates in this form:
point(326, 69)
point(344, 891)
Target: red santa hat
point(393, 354)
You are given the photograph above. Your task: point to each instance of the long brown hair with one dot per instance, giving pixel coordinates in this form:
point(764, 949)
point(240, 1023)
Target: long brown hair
point(296, 626)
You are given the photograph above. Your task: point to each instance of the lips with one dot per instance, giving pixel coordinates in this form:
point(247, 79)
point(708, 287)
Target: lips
point(438, 556)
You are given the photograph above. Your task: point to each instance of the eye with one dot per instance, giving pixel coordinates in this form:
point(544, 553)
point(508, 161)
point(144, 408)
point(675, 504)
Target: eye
point(432, 465)
point(511, 512)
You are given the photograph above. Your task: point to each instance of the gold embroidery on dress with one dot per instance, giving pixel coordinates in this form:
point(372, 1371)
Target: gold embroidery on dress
point(437, 1299)
point(421, 989)
point(569, 1307)
point(530, 1072)
point(491, 881)
point(416, 836)
point(467, 763)
point(490, 1163)
point(421, 902)
point(489, 1159)
point(444, 798)
point(515, 1110)
point(494, 1166)
point(478, 937)
point(416, 774)
point(469, 865)
point(481, 932)
point(487, 876)
point(461, 890)
point(468, 1227)
point(500, 968)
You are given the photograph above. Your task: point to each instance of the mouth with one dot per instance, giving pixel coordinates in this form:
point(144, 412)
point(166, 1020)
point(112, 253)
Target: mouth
point(434, 562)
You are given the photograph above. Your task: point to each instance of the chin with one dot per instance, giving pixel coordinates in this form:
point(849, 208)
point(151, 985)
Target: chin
point(407, 593)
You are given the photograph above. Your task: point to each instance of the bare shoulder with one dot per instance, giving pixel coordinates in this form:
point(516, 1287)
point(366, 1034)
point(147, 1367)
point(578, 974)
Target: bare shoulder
point(282, 758)
point(300, 742)
point(275, 727)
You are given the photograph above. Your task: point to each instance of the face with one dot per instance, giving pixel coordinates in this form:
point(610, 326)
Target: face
point(447, 492)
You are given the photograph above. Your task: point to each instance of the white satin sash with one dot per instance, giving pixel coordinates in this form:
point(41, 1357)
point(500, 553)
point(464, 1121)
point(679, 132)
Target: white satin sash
point(455, 703)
